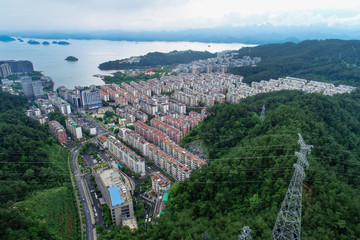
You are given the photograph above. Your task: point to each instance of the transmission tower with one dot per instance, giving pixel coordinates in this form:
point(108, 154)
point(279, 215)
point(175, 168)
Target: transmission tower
point(288, 222)
point(262, 116)
point(246, 234)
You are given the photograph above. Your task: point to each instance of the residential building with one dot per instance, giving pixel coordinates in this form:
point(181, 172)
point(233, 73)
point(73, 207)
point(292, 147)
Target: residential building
point(126, 156)
point(5, 70)
point(73, 128)
point(173, 133)
point(102, 140)
point(58, 130)
point(90, 98)
point(160, 183)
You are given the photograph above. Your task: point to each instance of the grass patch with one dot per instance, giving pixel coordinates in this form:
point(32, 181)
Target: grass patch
point(56, 208)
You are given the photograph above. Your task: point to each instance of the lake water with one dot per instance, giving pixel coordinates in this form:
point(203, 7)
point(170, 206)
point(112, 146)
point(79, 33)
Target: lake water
point(50, 59)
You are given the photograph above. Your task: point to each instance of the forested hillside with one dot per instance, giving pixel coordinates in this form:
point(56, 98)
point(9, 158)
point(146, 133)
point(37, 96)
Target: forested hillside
point(334, 61)
point(252, 164)
point(37, 201)
point(154, 59)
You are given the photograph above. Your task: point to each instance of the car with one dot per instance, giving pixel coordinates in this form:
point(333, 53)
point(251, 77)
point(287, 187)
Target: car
point(84, 160)
point(87, 211)
point(83, 199)
point(147, 215)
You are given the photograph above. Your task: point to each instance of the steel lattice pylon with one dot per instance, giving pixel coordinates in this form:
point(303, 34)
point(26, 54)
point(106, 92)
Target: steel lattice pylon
point(246, 234)
point(288, 222)
point(262, 116)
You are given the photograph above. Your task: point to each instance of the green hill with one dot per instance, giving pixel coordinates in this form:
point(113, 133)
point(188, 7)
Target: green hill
point(334, 61)
point(154, 59)
point(252, 165)
point(33, 176)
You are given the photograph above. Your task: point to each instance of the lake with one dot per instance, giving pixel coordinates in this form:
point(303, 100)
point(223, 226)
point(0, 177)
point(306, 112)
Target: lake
point(50, 59)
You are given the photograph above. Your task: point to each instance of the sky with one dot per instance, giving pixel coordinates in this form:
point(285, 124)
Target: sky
point(172, 15)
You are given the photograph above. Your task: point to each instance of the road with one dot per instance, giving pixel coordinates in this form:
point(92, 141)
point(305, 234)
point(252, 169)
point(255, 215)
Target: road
point(94, 199)
point(96, 202)
point(85, 201)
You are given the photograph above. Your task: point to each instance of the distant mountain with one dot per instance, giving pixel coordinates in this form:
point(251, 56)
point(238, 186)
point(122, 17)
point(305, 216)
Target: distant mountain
point(248, 34)
point(334, 61)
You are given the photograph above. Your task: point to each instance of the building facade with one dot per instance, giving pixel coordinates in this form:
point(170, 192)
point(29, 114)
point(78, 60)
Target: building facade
point(115, 193)
point(58, 130)
point(73, 128)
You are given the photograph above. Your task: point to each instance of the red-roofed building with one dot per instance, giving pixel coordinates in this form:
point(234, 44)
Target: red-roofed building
point(102, 141)
point(104, 96)
point(160, 183)
point(58, 130)
point(173, 133)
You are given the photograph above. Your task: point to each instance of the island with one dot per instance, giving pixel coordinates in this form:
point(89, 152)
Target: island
point(154, 59)
point(54, 42)
point(71, 59)
point(5, 38)
point(33, 42)
point(45, 43)
point(63, 43)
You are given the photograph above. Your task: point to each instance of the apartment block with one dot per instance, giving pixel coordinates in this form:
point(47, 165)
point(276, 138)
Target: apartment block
point(173, 133)
point(160, 183)
point(134, 139)
point(73, 128)
point(104, 96)
point(126, 156)
point(59, 103)
point(187, 99)
point(58, 130)
point(150, 134)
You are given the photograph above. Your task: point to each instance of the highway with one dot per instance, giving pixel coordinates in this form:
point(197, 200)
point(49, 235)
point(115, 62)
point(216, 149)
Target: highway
point(84, 198)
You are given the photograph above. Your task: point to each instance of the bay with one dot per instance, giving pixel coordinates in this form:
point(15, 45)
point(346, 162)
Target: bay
point(50, 59)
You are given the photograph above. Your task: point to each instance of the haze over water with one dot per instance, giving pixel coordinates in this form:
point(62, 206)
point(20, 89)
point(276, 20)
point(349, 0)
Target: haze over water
point(50, 59)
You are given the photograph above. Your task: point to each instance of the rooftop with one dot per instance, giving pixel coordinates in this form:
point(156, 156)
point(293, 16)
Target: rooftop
point(165, 197)
point(115, 196)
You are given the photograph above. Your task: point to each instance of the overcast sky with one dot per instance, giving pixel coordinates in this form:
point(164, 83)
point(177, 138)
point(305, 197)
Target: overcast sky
point(60, 15)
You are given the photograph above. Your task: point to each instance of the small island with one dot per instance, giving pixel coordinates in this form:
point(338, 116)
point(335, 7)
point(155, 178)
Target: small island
point(63, 43)
point(71, 59)
point(33, 42)
point(45, 43)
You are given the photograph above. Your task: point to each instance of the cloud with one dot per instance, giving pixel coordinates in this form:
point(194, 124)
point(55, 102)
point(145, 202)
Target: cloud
point(329, 17)
point(171, 15)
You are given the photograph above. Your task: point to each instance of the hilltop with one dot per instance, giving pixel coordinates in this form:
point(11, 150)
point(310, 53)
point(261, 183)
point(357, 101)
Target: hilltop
point(335, 61)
